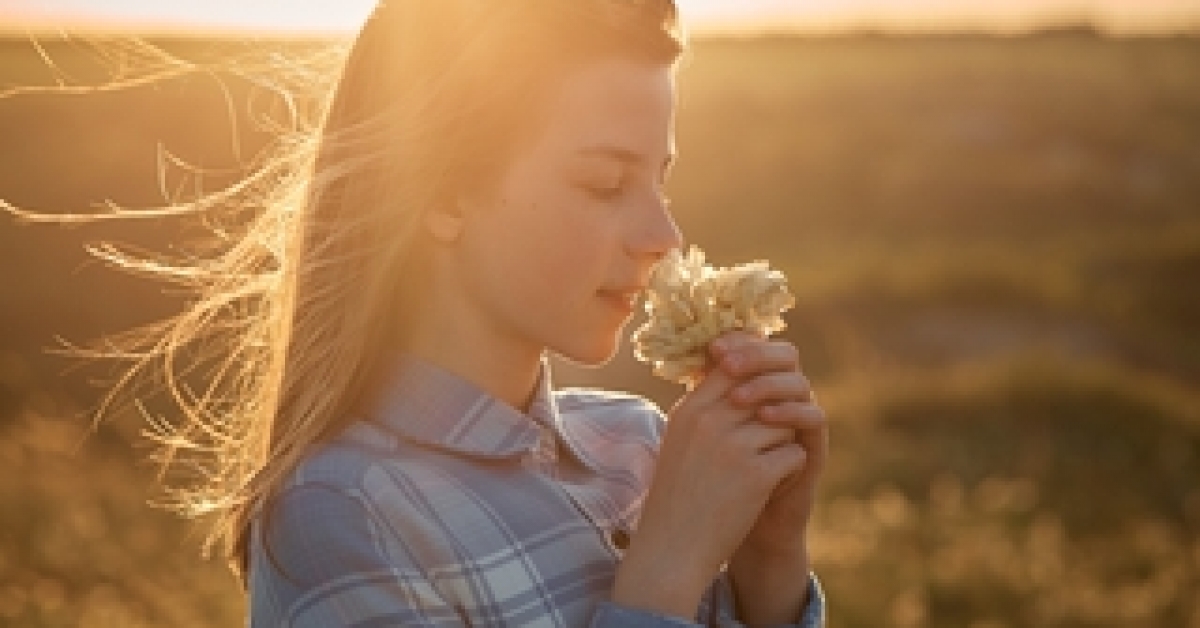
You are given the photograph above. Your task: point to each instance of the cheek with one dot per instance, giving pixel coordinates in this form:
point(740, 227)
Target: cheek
point(561, 246)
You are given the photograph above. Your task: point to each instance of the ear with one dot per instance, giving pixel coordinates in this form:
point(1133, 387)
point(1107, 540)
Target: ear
point(445, 224)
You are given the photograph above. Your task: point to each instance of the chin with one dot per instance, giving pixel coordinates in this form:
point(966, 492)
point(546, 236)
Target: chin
point(592, 354)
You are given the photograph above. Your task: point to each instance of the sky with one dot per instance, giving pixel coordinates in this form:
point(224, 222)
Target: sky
point(307, 16)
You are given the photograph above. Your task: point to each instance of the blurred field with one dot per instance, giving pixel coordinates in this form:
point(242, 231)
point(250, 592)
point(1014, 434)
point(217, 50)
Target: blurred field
point(996, 248)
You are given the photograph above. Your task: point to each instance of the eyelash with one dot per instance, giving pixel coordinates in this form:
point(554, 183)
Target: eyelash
point(610, 193)
point(604, 193)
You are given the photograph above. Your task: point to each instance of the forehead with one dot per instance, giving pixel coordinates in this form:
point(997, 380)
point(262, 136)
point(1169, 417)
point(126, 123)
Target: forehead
point(626, 103)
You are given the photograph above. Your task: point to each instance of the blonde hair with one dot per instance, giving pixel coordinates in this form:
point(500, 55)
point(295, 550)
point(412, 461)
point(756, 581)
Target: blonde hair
point(293, 310)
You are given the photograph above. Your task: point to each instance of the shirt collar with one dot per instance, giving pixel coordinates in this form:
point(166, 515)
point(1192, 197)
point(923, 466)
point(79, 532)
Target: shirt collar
point(430, 405)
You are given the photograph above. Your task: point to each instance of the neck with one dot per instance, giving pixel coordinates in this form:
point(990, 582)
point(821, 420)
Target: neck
point(455, 337)
point(508, 376)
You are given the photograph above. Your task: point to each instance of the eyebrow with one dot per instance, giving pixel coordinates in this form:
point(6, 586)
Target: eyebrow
point(623, 154)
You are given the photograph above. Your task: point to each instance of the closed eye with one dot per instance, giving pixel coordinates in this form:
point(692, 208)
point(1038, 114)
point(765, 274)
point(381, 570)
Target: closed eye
point(605, 192)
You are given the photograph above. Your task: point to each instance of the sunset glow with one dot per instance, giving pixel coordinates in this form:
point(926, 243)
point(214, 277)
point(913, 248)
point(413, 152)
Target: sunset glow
point(330, 16)
point(291, 16)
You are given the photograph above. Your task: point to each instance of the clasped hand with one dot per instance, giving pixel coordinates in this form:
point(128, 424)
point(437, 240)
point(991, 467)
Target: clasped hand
point(735, 477)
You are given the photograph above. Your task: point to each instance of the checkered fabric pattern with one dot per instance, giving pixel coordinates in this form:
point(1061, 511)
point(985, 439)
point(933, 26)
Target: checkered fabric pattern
point(448, 507)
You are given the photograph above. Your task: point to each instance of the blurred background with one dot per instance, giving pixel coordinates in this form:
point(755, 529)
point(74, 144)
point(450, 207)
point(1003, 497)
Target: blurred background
point(990, 215)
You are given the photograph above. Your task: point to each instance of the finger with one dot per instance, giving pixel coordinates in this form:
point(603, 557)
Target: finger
point(758, 357)
point(731, 341)
point(782, 461)
point(772, 387)
point(760, 437)
point(815, 441)
point(798, 415)
point(712, 388)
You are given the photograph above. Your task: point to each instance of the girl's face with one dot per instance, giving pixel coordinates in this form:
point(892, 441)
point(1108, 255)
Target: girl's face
point(556, 254)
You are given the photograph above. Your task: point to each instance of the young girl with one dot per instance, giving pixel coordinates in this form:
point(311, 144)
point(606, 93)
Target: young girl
point(487, 187)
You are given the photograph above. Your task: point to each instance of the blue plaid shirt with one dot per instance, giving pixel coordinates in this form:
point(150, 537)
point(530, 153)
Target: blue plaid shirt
point(448, 507)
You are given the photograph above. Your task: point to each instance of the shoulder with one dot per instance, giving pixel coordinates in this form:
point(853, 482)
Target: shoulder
point(327, 546)
point(351, 473)
point(314, 504)
point(341, 463)
point(338, 511)
point(611, 414)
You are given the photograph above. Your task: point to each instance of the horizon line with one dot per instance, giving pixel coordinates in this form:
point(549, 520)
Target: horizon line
point(701, 28)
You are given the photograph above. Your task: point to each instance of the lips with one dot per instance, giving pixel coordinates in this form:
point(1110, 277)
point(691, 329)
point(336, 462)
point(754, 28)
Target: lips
point(625, 299)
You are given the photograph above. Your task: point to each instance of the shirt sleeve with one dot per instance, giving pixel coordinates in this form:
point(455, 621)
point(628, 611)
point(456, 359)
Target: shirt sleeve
point(718, 610)
point(317, 559)
point(610, 615)
point(722, 610)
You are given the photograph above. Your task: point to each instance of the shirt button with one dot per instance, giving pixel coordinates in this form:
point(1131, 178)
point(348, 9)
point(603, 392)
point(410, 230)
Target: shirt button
point(620, 539)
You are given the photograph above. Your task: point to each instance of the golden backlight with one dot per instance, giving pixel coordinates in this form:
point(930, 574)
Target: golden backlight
point(324, 16)
point(189, 16)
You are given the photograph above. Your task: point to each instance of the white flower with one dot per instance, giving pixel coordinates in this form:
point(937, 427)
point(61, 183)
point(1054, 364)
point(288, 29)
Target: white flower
point(689, 304)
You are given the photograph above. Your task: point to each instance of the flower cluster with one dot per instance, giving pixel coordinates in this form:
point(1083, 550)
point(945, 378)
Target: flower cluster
point(689, 304)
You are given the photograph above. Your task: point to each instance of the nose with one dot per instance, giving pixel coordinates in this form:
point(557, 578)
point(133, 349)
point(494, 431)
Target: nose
point(656, 231)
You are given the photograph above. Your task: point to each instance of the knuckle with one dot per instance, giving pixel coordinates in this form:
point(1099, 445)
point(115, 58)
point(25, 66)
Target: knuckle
point(773, 412)
point(782, 412)
point(746, 392)
point(792, 412)
point(764, 379)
